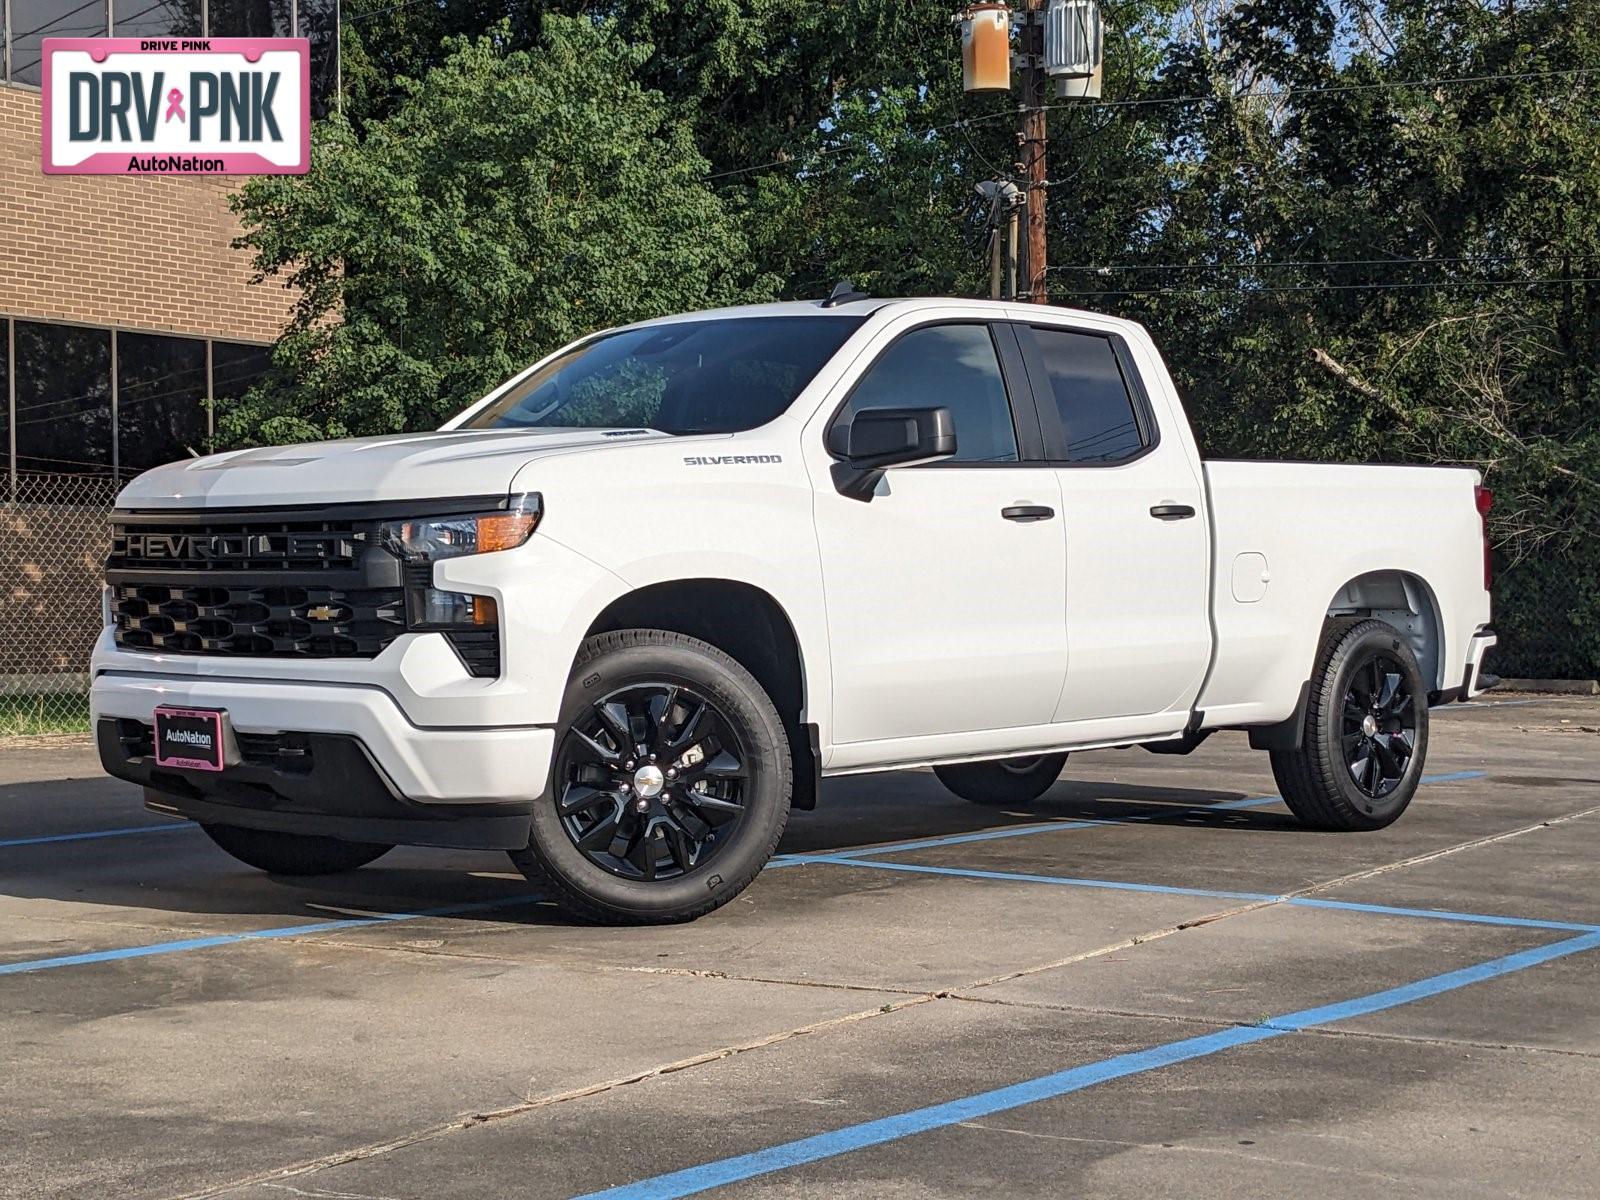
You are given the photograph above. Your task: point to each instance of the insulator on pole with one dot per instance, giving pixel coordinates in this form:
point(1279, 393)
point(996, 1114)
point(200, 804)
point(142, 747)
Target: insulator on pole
point(986, 48)
point(1074, 48)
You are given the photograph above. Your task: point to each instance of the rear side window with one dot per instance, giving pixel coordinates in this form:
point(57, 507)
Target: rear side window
point(950, 365)
point(1098, 421)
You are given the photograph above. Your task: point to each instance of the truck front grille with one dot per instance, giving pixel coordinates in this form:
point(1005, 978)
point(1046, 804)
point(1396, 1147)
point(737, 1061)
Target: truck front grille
point(260, 544)
point(276, 583)
point(261, 622)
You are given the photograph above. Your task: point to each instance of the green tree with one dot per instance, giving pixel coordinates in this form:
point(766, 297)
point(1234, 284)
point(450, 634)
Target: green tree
point(511, 201)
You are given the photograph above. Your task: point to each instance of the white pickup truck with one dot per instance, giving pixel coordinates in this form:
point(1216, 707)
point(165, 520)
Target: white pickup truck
point(623, 614)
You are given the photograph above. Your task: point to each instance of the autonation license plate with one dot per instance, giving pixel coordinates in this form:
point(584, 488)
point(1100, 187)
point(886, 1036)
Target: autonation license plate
point(192, 739)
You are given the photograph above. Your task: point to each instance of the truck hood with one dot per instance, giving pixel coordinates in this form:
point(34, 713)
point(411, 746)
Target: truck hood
point(407, 466)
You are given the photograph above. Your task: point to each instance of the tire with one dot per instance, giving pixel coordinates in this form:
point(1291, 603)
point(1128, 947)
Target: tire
point(1005, 780)
point(723, 809)
point(1366, 731)
point(293, 853)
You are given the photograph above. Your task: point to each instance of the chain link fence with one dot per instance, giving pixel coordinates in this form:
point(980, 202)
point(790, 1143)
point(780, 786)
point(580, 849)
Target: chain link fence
point(52, 559)
point(57, 535)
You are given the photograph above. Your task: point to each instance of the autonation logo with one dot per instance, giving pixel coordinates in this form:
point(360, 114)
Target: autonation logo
point(169, 106)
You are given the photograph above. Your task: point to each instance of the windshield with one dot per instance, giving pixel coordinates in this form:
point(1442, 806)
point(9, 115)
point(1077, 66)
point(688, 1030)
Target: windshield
point(718, 376)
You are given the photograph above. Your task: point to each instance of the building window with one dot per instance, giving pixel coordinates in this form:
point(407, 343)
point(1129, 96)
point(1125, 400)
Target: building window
point(156, 18)
point(319, 23)
point(57, 392)
point(31, 21)
point(251, 18)
point(24, 24)
point(236, 368)
point(161, 400)
point(63, 398)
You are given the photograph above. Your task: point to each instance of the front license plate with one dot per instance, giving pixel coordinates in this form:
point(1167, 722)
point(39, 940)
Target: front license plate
point(191, 739)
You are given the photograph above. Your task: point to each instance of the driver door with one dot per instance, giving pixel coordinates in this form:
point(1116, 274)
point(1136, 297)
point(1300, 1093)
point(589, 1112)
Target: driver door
point(946, 591)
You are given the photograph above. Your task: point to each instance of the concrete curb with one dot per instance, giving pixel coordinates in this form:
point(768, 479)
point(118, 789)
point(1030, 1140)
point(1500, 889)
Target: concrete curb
point(1562, 687)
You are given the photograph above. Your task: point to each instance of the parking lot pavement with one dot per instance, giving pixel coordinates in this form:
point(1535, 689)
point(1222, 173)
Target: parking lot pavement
point(1152, 981)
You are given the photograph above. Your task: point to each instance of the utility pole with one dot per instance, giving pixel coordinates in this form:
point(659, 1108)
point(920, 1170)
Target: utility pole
point(1032, 139)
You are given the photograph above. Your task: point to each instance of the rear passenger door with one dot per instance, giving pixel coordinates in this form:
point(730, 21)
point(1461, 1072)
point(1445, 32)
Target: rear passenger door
point(1137, 604)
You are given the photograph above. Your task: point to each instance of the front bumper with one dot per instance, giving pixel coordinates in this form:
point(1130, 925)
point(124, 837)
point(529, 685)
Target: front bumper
point(365, 762)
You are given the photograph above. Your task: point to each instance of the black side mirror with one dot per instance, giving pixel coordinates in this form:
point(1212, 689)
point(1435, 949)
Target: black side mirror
point(877, 438)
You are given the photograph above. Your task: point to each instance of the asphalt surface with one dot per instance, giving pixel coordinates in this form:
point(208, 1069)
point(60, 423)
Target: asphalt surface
point(1152, 982)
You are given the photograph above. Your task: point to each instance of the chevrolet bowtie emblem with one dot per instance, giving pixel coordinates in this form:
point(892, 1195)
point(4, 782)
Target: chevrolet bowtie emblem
point(322, 612)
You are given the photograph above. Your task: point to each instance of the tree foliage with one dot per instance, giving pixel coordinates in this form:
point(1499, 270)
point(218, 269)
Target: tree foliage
point(510, 202)
point(1361, 230)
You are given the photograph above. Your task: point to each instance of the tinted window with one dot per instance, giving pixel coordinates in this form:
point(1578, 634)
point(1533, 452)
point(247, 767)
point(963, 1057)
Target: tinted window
point(161, 399)
point(34, 20)
point(63, 382)
point(317, 23)
point(1097, 417)
point(156, 18)
point(248, 18)
point(950, 365)
point(236, 368)
point(717, 376)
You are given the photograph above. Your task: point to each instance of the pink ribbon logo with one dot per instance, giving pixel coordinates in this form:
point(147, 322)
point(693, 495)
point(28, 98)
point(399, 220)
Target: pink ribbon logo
point(175, 105)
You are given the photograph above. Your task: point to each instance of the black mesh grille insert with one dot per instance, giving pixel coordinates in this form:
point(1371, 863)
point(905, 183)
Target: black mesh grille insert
point(303, 622)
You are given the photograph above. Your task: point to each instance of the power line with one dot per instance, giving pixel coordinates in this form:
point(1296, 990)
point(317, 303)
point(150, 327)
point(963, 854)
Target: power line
point(804, 157)
point(1243, 290)
point(1502, 260)
point(1282, 93)
point(827, 151)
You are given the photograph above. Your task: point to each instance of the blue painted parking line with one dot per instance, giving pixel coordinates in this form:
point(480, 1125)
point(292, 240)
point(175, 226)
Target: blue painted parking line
point(255, 935)
point(1160, 889)
point(782, 1157)
point(130, 831)
point(1013, 831)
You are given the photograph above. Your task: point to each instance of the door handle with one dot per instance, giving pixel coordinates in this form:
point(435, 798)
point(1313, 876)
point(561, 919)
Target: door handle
point(1027, 512)
point(1172, 512)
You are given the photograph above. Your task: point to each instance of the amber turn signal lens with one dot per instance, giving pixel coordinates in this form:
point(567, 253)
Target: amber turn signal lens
point(505, 531)
point(484, 611)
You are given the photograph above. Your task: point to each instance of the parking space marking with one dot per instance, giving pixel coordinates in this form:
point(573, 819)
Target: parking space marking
point(786, 1155)
point(1211, 894)
point(990, 835)
point(46, 839)
point(254, 935)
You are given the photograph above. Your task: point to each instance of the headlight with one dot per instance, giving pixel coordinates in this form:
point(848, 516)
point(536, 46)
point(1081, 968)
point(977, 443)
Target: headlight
point(429, 539)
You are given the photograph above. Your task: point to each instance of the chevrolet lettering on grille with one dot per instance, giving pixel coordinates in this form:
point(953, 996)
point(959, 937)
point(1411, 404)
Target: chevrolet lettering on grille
point(212, 547)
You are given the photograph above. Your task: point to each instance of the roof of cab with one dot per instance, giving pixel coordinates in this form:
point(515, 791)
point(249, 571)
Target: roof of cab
point(854, 308)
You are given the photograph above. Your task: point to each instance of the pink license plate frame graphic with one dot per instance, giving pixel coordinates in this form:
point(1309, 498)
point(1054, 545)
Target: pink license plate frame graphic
point(229, 162)
point(212, 718)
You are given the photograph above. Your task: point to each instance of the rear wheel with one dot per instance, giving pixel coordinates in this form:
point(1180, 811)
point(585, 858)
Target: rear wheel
point(1005, 780)
point(670, 787)
point(293, 853)
point(1366, 731)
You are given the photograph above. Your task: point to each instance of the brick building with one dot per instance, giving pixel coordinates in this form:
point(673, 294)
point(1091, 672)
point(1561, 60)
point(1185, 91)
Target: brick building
point(125, 316)
point(125, 312)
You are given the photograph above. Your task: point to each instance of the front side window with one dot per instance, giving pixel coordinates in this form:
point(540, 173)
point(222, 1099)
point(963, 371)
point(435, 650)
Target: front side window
point(1091, 396)
point(713, 376)
point(949, 366)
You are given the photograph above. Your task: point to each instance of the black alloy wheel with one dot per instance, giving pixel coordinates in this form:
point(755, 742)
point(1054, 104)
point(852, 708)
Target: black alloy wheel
point(1379, 724)
point(653, 781)
point(1365, 737)
point(1004, 781)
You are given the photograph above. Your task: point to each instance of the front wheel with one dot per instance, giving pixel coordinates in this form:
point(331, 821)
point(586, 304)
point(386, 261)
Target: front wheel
point(670, 786)
point(1003, 781)
point(1366, 731)
point(293, 853)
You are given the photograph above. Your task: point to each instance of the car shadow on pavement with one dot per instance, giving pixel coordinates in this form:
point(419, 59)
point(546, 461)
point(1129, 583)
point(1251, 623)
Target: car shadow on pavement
point(179, 871)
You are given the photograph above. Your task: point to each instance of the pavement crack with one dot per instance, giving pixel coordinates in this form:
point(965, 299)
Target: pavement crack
point(275, 1176)
point(1433, 855)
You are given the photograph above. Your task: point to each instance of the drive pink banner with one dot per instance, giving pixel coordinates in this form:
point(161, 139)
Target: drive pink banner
point(176, 106)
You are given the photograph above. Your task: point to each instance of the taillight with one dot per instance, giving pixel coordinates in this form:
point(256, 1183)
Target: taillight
point(1485, 501)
